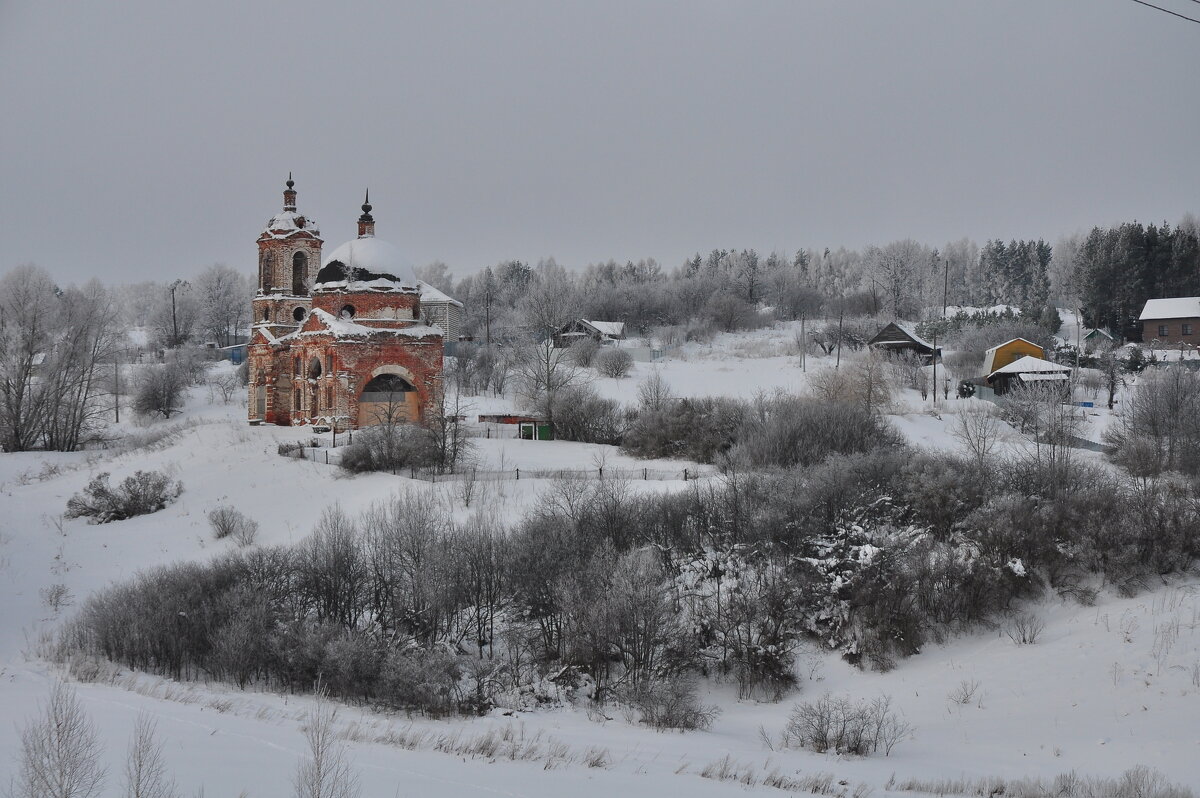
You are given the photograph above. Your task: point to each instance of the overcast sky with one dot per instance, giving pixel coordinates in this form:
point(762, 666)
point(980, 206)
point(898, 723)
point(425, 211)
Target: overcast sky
point(151, 138)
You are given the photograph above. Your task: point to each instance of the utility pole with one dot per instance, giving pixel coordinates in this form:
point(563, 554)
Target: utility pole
point(946, 290)
point(487, 317)
point(174, 318)
point(935, 360)
point(841, 315)
point(117, 386)
point(803, 346)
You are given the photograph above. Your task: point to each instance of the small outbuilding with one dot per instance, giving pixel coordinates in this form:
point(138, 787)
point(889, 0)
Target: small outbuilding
point(1010, 352)
point(1094, 339)
point(601, 332)
point(1028, 370)
point(900, 339)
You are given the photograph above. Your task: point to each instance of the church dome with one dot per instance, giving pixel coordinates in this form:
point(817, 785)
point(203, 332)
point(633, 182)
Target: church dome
point(366, 264)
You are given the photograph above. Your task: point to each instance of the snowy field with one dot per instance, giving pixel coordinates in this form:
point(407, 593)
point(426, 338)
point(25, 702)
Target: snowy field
point(1103, 689)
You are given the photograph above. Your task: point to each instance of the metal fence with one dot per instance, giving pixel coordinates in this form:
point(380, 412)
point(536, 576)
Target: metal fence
point(330, 456)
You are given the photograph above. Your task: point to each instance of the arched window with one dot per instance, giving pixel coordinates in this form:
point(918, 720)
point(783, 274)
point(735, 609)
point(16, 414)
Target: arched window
point(296, 367)
point(299, 272)
point(298, 314)
point(266, 314)
point(347, 312)
point(314, 368)
point(266, 262)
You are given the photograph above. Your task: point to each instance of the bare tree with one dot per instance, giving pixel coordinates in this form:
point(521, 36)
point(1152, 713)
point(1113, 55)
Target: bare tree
point(145, 772)
point(223, 295)
point(28, 317)
point(977, 429)
point(60, 751)
point(326, 772)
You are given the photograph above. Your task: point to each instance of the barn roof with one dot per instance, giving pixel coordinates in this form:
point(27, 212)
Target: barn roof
point(1030, 365)
point(1183, 307)
point(906, 331)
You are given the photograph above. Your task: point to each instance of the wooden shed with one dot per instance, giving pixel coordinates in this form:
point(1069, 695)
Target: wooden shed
point(1010, 352)
point(897, 338)
point(1029, 370)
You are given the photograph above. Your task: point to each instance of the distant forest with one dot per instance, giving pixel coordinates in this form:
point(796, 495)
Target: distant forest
point(1109, 273)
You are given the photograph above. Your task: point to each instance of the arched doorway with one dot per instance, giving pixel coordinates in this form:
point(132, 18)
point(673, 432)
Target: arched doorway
point(388, 399)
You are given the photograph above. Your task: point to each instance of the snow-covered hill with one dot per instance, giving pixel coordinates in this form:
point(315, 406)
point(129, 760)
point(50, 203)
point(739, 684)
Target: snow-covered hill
point(1104, 687)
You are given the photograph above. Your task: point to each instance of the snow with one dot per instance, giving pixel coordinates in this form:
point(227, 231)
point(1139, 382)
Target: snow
point(431, 294)
point(614, 329)
point(1104, 688)
point(1029, 364)
point(288, 223)
point(373, 255)
point(1186, 307)
point(347, 328)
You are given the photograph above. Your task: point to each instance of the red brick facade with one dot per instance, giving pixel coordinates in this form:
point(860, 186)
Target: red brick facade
point(1172, 331)
point(316, 348)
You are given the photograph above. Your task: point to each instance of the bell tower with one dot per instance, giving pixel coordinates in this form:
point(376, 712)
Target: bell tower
point(289, 257)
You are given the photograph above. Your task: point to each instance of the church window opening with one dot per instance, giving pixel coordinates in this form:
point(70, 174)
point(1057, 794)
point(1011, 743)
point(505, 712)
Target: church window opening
point(314, 368)
point(296, 367)
point(329, 362)
point(386, 388)
point(347, 312)
point(299, 272)
point(264, 271)
point(298, 314)
point(329, 397)
point(266, 314)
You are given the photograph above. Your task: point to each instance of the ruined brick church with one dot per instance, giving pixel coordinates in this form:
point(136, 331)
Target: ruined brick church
point(339, 342)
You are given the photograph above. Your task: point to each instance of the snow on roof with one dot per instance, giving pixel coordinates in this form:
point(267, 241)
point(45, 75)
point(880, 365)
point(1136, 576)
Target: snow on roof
point(1030, 365)
point(1009, 341)
point(1183, 307)
point(1042, 377)
point(367, 264)
point(288, 223)
point(431, 294)
point(912, 333)
point(612, 328)
point(348, 328)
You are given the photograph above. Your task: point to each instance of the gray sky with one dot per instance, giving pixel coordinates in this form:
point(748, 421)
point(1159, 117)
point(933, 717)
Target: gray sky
point(151, 138)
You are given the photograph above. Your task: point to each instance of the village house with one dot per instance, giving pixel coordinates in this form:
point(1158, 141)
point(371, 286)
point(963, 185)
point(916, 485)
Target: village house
point(1010, 351)
point(1028, 370)
point(602, 332)
point(1171, 321)
point(441, 310)
point(344, 345)
point(900, 339)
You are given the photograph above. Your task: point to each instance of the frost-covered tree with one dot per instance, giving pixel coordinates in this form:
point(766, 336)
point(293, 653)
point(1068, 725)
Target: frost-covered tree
point(60, 751)
point(223, 295)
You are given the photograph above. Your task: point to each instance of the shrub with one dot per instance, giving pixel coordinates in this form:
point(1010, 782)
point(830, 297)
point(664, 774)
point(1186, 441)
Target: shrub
point(159, 390)
point(584, 351)
point(1024, 628)
point(615, 363)
point(140, 494)
point(847, 727)
point(391, 447)
point(580, 414)
point(229, 522)
point(789, 431)
point(671, 704)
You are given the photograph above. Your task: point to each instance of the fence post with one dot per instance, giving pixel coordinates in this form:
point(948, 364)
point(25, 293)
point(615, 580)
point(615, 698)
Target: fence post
point(685, 475)
point(326, 457)
point(644, 474)
point(518, 475)
point(601, 472)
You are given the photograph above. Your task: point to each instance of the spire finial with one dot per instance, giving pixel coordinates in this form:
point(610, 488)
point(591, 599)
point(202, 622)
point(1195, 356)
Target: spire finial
point(366, 223)
point(289, 194)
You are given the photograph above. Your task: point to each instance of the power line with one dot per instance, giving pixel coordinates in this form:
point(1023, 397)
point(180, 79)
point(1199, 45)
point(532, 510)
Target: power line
point(1168, 11)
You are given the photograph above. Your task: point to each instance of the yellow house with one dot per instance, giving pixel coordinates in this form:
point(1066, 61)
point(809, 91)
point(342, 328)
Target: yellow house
point(1009, 352)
